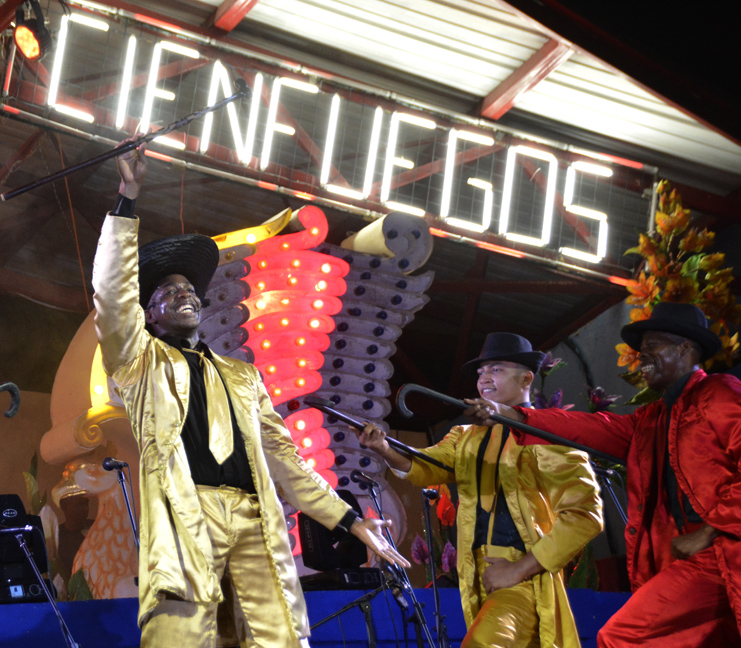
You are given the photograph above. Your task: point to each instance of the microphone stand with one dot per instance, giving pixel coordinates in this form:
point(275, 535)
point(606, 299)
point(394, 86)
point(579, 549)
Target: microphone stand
point(403, 578)
point(606, 474)
point(364, 604)
point(127, 501)
point(18, 532)
point(442, 630)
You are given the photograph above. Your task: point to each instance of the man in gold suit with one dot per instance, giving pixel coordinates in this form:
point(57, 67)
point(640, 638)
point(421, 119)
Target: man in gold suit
point(523, 511)
point(214, 453)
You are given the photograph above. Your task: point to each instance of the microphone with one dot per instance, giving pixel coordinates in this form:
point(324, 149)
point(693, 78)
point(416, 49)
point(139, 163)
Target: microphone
point(241, 86)
point(359, 477)
point(109, 463)
point(430, 493)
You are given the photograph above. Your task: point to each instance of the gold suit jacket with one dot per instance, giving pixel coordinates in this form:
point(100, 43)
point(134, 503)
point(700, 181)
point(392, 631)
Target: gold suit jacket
point(153, 380)
point(554, 500)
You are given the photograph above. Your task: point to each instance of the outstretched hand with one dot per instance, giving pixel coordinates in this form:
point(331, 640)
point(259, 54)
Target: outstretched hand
point(370, 531)
point(132, 167)
point(481, 410)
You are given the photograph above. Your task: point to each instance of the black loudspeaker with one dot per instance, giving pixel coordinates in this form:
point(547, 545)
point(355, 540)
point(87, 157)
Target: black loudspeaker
point(18, 581)
point(323, 550)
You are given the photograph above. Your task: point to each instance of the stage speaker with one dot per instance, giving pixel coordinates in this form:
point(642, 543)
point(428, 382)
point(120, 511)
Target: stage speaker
point(18, 581)
point(323, 550)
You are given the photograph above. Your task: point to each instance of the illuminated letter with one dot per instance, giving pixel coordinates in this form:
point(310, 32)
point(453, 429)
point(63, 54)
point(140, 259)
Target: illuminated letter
point(392, 160)
point(474, 182)
point(59, 59)
point(509, 176)
point(219, 74)
point(568, 199)
point(123, 98)
point(329, 146)
point(153, 91)
point(273, 126)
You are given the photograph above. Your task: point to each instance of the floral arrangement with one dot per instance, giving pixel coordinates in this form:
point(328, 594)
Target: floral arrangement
point(677, 267)
point(445, 555)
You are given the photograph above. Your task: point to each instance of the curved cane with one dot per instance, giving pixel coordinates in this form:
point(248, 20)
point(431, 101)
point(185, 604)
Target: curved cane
point(524, 427)
point(15, 398)
point(327, 406)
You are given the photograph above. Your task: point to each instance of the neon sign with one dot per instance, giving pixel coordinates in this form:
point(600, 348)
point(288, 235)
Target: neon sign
point(466, 175)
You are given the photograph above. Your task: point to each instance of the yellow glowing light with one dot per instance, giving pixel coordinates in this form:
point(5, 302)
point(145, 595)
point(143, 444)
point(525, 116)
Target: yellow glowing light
point(326, 268)
point(301, 362)
point(250, 238)
point(265, 344)
point(260, 326)
point(300, 424)
point(311, 463)
point(284, 246)
point(252, 235)
point(314, 231)
point(300, 341)
point(314, 323)
point(292, 281)
point(261, 285)
point(260, 304)
point(285, 302)
point(99, 389)
point(300, 382)
point(284, 322)
point(318, 303)
point(306, 442)
point(271, 369)
point(295, 263)
point(263, 264)
point(277, 391)
point(322, 285)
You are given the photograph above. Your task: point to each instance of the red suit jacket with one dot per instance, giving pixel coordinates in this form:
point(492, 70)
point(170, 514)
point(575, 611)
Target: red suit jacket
point(704, 440)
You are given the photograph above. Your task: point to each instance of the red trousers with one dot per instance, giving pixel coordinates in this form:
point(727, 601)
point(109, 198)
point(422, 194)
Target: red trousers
point(684, 606)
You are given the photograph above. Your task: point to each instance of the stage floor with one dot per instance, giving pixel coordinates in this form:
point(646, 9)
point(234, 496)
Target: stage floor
point(112, 623)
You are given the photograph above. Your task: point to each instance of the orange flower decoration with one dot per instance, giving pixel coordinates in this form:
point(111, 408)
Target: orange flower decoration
point(628, 357)
point(695, 241)
point(673, 223)
point(638, 314)
point(712, 261)
point(643, 291)
point(682, 290)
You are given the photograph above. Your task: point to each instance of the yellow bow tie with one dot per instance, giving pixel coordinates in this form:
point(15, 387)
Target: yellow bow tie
point(220, 432)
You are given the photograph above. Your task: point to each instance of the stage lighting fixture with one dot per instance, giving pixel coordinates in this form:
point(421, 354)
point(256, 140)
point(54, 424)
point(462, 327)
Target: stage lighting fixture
point(31, 36)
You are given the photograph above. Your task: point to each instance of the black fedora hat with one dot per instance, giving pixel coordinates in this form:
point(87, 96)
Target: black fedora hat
point(508, 347)
point(192, 255)
point(685, 320)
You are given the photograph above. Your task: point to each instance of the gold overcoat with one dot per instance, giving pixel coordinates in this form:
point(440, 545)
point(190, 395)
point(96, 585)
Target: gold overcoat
point(554, 500)
point(153, 380)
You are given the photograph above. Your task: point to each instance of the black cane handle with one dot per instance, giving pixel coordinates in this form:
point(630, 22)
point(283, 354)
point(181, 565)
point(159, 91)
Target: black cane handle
point(15, 398)
point(523, 427)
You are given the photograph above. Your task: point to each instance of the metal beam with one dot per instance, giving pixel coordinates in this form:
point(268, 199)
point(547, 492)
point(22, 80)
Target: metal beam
point(525, 78)
point(45, 292)
point(231, 12)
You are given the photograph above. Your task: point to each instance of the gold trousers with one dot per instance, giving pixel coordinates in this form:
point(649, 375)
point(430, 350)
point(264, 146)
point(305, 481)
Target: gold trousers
point(507, 618)
point(255, 616)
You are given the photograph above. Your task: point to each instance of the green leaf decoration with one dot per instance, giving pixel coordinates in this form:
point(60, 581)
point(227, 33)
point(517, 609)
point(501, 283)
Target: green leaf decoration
point(634, 378)
point(77, 588)
point(644, 397)
point(34, 468)
point(32, 489)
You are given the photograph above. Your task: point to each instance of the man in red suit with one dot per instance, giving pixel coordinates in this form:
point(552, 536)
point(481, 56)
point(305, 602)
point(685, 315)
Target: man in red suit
point(684, 488)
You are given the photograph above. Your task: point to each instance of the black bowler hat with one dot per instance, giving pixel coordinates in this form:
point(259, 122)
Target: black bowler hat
point(192, 255)
point(685, 320)
point(507, 347)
